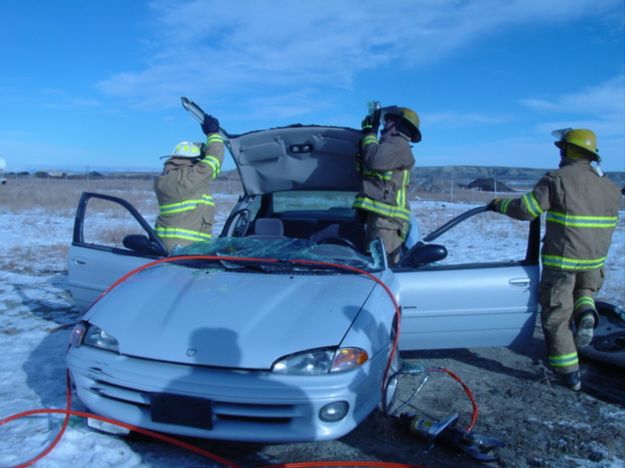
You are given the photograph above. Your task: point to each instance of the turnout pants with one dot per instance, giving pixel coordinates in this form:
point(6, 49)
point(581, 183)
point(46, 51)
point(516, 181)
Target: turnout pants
point(390, 231)
point(565, 296)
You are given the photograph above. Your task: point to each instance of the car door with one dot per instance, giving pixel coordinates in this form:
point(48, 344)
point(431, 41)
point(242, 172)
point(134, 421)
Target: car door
point(470, 302)
point(110, 238)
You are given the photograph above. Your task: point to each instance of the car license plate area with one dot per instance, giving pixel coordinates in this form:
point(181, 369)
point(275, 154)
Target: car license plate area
point(182, 410)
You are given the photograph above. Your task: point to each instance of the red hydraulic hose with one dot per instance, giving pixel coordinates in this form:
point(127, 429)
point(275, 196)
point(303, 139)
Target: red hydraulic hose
point(69, 412)
point(275, 260)
point(467, 390)
point(343, 463)
point(57, 438)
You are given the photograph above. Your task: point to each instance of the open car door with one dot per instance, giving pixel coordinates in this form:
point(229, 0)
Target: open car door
point(110, 239)
point(468, 302)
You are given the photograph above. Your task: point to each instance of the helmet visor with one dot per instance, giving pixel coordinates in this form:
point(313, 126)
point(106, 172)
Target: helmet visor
point(559, 134)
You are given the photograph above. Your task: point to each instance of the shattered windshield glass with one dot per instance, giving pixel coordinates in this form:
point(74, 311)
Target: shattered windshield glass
point(284, 250)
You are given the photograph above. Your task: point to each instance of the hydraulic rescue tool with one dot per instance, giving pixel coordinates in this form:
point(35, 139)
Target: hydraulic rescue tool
point(432, 431)
point(197, 112)
point(444, 431)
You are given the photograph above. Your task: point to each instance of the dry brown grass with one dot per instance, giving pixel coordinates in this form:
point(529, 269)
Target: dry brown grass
point(36, 258)
point(63, 194)
point(459, 195)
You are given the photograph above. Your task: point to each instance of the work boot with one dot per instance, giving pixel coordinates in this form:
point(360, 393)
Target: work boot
point(584, 332)
point(572, 381)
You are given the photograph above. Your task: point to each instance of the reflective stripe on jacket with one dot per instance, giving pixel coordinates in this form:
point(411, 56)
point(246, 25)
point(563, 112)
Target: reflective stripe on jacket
point(385, 169)
point(186, 205)
point(186, 209)
point(179, 233)
point(582, 213)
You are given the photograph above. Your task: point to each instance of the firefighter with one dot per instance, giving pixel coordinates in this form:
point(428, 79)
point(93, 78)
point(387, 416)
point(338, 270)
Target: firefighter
point(186, 209)
point(385, 169)
point(582, 213)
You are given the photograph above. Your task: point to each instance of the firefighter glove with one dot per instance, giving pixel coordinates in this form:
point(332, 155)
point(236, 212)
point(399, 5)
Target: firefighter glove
point(367, 125)
point(210, 125)
point(492, 205)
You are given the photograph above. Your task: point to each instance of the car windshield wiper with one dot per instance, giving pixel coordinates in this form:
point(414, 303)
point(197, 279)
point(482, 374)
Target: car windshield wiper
point(317, 265)
point(227, 263)
point(246, 265)
point(267, 265)
point(277, 266)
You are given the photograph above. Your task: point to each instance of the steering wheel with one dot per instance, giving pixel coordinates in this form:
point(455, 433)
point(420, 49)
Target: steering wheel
point(241, 215)
point(338, 240)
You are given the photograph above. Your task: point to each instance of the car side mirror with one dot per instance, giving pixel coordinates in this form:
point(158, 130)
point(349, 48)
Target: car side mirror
point(141, 244)
point(423, 254)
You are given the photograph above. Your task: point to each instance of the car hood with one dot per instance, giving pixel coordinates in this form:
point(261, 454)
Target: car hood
point(228, 319)
point(298, 157)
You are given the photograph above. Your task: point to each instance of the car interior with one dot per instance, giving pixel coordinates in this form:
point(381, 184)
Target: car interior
point(334, 225)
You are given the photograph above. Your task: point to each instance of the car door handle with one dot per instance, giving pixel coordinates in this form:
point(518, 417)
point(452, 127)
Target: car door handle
point(78, 262)
point(519, 282)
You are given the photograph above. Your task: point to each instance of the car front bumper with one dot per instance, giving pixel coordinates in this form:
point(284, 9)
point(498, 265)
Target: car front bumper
point(253, 406)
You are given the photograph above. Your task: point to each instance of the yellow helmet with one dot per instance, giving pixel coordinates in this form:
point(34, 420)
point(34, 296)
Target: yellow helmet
point(410, 117)
point(186, 149)
point(580, 138)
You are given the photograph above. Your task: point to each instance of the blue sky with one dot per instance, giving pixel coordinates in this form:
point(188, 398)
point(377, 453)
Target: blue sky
point(98, 83)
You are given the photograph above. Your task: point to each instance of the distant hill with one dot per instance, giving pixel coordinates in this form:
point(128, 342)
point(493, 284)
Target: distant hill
point(426, 179)
point(439, 178)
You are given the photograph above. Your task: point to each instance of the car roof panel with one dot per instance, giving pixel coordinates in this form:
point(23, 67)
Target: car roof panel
point(298, 157)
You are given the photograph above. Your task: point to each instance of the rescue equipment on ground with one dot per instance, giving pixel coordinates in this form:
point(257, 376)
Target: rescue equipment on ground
point(432, 431)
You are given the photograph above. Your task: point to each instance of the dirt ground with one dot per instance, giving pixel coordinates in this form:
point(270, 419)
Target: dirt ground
point(520, 403)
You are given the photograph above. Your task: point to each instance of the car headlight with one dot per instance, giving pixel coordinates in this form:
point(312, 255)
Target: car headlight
point(320, 361)
point(98, 338)
point(78, 333)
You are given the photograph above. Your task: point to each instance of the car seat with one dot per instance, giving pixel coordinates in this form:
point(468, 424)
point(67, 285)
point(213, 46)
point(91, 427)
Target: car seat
point(268, 227)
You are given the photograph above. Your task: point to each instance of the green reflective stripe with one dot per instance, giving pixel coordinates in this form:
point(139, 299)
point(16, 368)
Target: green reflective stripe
point(401, 193)
point(531, 204)
point(503, 208)
point(214, 138)
point(381, 208)
point(565, 263)
point(584, 302)
point(369, 139)
point(582, 221)
point(213, 162)
point(185, 205)
point(179, 233)
point(564, 360)
point(382, 175)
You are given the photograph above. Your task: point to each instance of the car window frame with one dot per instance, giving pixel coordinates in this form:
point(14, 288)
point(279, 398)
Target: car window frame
point(532, 252)
point(79, 222)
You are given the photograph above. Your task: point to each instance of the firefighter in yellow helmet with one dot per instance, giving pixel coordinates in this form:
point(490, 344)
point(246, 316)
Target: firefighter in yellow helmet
point(186, 208)
point(581, 207)
point(385, 169)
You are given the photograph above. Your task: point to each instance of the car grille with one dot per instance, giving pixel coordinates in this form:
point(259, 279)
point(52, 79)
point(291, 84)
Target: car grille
point(223, 410)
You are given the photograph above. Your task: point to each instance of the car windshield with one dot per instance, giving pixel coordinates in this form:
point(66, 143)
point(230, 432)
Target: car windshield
point(285, 249)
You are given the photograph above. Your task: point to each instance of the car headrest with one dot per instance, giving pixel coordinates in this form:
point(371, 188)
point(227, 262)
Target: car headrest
point(268, 227)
